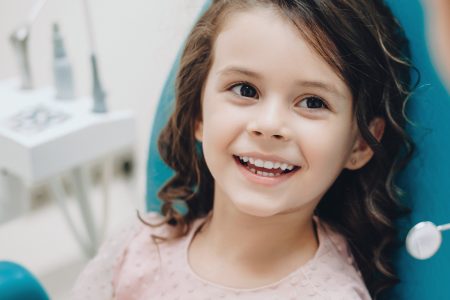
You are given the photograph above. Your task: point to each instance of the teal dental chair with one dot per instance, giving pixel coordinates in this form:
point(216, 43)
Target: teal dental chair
point(425, 181)
point(427, 178)
point(17, 283)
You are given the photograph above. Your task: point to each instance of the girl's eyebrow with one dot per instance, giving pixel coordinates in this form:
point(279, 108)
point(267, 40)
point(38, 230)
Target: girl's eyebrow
point(303, 83)
point(238, 70)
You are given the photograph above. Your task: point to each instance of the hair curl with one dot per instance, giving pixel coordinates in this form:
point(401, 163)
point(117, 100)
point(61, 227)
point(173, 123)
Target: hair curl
point(368, 49)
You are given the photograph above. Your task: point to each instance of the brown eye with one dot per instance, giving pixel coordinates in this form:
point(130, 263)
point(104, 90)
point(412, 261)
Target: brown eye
point(312, 103)
point(245, 90)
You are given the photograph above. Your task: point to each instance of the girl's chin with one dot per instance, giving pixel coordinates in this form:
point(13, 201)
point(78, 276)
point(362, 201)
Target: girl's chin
point(256, 209)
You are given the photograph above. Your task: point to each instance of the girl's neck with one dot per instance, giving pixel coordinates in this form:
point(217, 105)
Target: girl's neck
point(240, 236)
point(252, 251)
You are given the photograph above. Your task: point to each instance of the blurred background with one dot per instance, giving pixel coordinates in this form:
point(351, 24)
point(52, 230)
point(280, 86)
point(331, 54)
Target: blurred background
point(136, 43)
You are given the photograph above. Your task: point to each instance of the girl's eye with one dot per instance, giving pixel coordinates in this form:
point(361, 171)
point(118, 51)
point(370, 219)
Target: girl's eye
point(245, 90)
point(312, 103)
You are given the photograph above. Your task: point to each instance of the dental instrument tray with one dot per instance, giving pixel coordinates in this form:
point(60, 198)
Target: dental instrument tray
point(36, 119)
point(41, 137)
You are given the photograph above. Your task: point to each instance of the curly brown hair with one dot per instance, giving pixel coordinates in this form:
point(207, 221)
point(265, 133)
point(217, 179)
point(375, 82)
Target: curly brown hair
point(366, 46)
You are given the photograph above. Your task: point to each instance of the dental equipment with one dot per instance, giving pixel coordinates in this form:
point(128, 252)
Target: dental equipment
point(62, 69)
point(19, 40)
point(424, 239)
point(97, 90)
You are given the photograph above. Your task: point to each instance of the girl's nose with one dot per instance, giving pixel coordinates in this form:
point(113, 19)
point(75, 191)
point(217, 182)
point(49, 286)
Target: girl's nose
point(269, 123)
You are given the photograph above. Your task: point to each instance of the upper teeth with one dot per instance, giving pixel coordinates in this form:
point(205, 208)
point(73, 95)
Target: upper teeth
point(266, 163)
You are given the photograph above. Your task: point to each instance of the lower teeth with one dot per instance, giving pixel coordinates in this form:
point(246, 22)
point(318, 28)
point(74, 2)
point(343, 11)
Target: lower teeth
point(264, 174)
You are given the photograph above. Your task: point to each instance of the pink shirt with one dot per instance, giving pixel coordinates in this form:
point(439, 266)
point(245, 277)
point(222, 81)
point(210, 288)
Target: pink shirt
point(128, 267)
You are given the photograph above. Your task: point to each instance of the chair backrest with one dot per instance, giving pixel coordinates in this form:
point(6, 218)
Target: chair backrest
point(17, 283)
point(424, 181)
point(157, 171)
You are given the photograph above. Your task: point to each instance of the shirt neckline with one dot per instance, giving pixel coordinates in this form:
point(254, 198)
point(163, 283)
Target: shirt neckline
point(321, 250)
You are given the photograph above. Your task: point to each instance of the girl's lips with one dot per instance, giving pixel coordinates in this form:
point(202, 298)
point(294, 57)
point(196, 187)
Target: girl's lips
point(263, 180)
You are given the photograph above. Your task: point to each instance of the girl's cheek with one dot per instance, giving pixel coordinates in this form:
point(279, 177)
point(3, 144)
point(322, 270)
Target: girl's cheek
point(326, 139)
point(227, 113)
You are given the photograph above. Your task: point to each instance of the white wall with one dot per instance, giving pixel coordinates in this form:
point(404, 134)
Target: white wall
point(137, 41)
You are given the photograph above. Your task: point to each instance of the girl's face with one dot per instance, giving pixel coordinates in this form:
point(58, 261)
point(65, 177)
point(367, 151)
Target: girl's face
point(270, 97)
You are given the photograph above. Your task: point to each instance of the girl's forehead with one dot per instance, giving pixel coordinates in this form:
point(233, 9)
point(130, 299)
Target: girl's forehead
point(263, 43)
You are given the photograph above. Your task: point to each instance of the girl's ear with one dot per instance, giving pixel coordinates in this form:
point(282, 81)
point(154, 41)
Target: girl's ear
point(198, 130)
point(362, 153)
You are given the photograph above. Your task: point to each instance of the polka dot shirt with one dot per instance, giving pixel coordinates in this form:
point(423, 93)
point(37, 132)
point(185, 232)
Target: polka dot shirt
point(131, 266)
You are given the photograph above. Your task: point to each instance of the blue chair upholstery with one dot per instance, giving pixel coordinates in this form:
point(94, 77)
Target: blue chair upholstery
point(16, 283)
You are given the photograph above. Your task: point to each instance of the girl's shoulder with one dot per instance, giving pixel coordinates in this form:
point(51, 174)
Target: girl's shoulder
point(334, 268)
point(149, 255)
point(145, 233)
point(128, 243)
point(148, 226)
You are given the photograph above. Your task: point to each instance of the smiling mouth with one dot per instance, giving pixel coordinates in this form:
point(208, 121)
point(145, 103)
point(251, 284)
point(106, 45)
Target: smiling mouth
point(275, 172)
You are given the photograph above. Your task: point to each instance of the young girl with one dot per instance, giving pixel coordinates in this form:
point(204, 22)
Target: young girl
point(297, 107)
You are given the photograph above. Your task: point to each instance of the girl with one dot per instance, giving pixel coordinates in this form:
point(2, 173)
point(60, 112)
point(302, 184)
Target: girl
point(285, 139)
